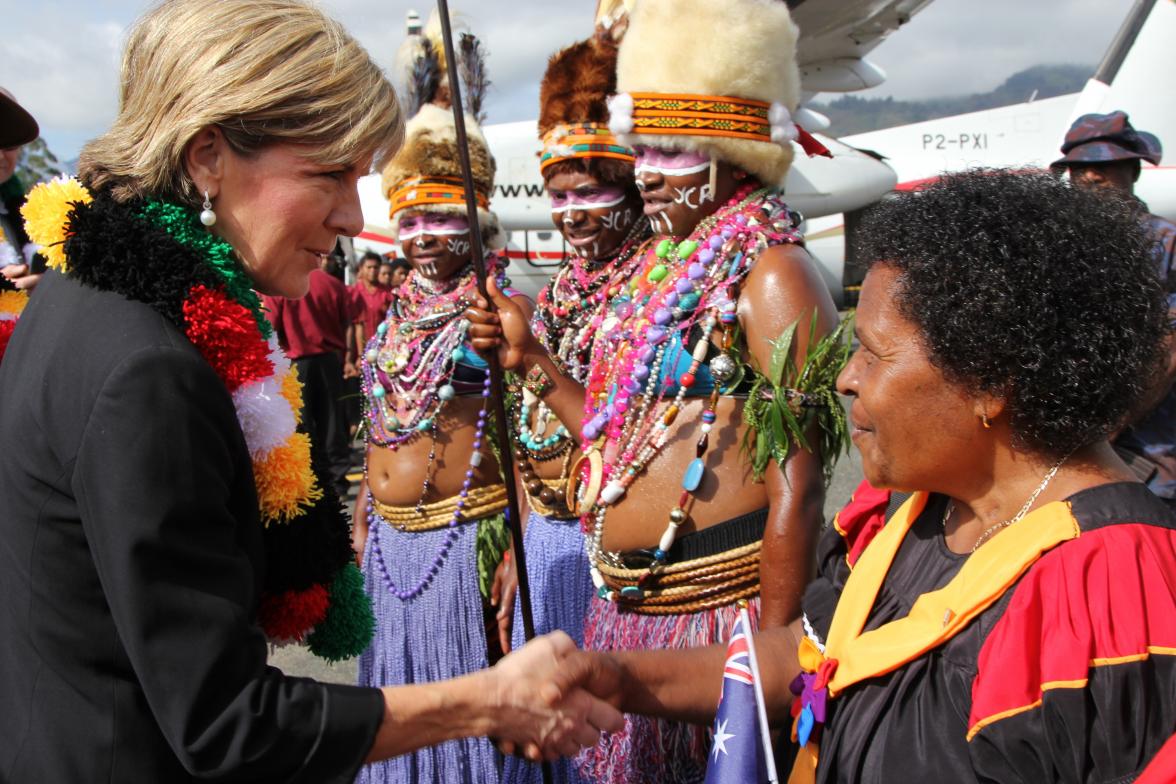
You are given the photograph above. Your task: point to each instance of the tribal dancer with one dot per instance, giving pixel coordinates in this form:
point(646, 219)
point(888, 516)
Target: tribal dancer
point(433, 534)
point(597, 208)
point(723, 336)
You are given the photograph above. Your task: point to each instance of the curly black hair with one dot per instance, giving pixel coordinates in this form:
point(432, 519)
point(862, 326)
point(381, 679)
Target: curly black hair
point(1032, 290)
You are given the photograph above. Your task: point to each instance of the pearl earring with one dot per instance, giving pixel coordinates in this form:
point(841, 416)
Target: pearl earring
point(207, 217)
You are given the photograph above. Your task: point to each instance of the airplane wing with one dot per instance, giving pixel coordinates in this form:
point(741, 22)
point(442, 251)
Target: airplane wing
point(836, 36)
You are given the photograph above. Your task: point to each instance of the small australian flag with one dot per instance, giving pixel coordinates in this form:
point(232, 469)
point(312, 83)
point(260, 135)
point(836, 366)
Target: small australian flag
point(737, 751)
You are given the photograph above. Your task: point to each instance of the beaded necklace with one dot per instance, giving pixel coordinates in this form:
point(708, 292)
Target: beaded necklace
point(568, 312)
point(679, 286)
point(407, 378)
point(408, 365)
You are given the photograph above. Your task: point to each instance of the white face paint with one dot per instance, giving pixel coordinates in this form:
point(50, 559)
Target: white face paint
point(667, 169)
point(661, 223)
point(618, 219)
point(458, 247)
point(406, 236)
point(686, 196)
point(573, 201)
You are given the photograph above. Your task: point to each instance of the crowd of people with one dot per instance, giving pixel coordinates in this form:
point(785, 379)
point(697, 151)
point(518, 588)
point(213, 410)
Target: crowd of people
point(996, 602)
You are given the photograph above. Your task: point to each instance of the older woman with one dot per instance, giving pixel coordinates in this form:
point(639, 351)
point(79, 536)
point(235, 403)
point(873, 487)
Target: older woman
point(1015, 618)
point(159, 510)
point(696, 355)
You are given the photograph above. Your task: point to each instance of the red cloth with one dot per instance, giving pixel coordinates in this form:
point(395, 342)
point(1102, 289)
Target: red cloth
point(315, 324)
point(370, 305)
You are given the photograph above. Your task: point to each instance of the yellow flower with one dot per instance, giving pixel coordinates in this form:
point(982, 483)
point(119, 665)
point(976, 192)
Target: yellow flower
point(284, 480)
point(12, 302)
point(45, 211)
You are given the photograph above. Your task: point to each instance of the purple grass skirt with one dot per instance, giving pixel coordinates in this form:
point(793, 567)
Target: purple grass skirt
point(647, 750)
point(561, 591)
point(436, 635)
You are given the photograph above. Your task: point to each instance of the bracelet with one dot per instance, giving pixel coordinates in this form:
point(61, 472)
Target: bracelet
point(537, 382)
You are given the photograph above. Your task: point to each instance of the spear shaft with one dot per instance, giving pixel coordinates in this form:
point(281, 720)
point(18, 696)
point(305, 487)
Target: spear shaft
point(498, 401)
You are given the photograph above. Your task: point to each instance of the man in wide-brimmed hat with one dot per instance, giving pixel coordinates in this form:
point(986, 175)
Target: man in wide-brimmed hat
point(1105, 151)
point(17, 128)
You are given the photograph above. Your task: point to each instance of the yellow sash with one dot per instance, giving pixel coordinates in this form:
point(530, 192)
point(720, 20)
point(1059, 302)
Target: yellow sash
point(936, 616)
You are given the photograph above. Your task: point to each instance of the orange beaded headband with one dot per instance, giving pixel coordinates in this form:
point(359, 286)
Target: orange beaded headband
point(586, 140)
point(701, 115)
point(421, 191)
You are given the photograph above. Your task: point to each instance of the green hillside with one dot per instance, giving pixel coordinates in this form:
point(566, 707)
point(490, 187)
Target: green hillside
point(852, 114)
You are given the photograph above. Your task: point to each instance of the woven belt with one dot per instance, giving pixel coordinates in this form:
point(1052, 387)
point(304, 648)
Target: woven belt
point(479, 502)
point(557, 511)
point(690, 586)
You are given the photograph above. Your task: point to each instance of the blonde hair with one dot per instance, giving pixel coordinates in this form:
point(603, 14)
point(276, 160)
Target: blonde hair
point(262, 71)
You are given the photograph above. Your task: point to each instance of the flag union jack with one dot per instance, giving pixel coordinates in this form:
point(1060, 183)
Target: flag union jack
point(737, 753)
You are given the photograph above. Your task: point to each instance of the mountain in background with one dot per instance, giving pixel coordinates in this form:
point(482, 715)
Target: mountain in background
point(851, 114)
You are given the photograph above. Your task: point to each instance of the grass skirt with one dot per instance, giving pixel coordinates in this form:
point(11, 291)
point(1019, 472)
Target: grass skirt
point(561, 591)
point(653, 750)
point(436, 635)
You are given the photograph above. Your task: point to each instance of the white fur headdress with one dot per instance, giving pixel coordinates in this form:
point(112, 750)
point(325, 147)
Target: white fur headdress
point(426, 172)
point(684, 50)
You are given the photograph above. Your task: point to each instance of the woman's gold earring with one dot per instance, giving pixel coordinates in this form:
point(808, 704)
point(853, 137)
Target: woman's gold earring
point(984, 421)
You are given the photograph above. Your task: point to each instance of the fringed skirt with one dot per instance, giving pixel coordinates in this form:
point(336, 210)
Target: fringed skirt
point(561, 592)
point(436, 635)
point(653, 750)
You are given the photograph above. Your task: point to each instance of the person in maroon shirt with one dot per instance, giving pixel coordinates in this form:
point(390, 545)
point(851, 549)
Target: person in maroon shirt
point(371, 300)
point(313, 331)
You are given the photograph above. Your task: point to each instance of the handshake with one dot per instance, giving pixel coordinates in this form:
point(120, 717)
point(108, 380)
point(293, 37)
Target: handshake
point(546, 700)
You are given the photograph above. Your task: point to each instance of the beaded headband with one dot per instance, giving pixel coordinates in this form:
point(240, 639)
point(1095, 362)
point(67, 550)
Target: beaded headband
point(584, 140)
point(701, 115)
point(420, 191)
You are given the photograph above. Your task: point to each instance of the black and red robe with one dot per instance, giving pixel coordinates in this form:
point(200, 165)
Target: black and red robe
point(1067, 675)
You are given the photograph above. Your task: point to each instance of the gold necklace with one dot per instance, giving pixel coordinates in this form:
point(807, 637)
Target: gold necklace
point(1024, 510)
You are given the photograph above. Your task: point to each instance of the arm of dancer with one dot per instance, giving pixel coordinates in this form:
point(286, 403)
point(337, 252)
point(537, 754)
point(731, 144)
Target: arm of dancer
point(517, 701)
point(682, 685)
point(508, 332)
point(782, 289)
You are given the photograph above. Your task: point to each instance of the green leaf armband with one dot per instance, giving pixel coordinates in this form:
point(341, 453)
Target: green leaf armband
point(787, 401)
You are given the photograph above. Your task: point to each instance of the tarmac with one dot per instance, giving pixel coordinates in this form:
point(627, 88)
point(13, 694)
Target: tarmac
point(297, 660)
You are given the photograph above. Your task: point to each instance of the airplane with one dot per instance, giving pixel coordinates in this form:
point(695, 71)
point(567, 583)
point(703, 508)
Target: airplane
point(1027, 134)
point(836, 36)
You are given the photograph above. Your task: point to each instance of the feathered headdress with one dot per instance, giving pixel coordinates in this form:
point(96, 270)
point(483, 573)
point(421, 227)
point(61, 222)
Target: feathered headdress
point(731, 96)
point(422, 64)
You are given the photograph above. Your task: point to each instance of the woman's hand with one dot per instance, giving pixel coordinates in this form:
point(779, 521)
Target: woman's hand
point(502, 596)
point(542, 711)
point(506, 331)
point(21, 276)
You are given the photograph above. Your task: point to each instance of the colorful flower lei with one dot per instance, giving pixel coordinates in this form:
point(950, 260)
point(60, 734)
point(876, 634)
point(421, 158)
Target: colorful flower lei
point(312, 591)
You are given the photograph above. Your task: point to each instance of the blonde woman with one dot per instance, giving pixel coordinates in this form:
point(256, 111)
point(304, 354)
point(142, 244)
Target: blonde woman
point(160, 518)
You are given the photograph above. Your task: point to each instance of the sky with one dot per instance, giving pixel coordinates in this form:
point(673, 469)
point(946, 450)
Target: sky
point(60, 57)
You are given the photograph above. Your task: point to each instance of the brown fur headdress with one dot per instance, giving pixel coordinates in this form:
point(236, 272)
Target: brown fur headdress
point(579, 80)
point(573, 110)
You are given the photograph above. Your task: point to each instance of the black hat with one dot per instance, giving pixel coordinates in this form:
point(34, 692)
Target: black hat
point(17, 126)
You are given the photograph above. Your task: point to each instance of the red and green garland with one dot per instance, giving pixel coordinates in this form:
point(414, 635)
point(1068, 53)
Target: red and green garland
point(159, 253)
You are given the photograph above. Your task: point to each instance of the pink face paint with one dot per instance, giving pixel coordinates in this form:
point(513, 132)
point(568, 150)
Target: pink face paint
point(596, 197)
point(675, 163)
point(436, 224)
